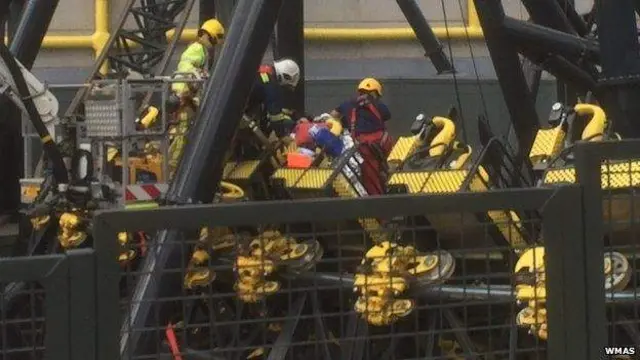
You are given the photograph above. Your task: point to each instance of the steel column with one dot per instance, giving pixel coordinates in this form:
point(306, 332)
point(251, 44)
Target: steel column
point(563, 69)
point(578, 23)
point(548, 13)
point(11, 142)
point(424, 33)
point(199, 172)
point(206, 10)
point(4, 16)
point(32, 28)
point(555, 14)
point(224, 11)
point(551, 40)
point(532, 74)
point(290, 44)
point(520, 103)
point(620, 62)
point(15, 12)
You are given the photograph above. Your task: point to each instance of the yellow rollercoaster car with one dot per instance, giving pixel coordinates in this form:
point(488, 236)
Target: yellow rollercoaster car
point(433, 161)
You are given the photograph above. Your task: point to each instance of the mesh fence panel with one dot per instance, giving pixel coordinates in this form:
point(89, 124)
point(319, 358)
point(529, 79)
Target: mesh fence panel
point(621, 212)
point(446, 285)
point(22, 321)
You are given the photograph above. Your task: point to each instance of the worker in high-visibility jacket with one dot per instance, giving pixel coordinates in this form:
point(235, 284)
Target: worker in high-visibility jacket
point(365, 116)
point(194, 65)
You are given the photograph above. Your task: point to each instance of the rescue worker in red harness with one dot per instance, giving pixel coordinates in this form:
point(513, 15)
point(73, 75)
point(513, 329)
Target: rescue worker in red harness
point(366, 117)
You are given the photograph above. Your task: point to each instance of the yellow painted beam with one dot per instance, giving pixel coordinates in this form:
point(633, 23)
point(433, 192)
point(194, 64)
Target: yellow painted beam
point(98, 40)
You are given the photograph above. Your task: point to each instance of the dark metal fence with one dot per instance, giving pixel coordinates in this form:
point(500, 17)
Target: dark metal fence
point(609, 174)
point(48, 307)
point(456, 297)
point(443, 278)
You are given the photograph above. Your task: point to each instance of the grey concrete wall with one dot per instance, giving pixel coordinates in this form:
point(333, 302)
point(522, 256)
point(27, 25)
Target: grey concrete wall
point(76, 17)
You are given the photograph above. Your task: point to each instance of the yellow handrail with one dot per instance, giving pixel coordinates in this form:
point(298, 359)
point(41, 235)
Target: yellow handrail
point(100, 36)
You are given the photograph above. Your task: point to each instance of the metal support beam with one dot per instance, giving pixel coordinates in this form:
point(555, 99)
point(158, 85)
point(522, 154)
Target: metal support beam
point(578, 23)
point(424, 33)
point(532, 74)
point(31, 29)
point(290, 44)
point(564, 70)
point(571, 46)
point(637, 6)
point(224, 11)
point(15, 13)
point(4, 15)
point(285, 338)
point(26, 25)
point(548, 13)
point(199, 172)
point(494, 293)
point(555, 15)
point(520, 103)
point(206, 10)
point(618, 36)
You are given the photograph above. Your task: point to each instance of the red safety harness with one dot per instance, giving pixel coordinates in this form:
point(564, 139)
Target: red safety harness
point(381, 137)
point(266, 69)
point(372, 167)
point(369, 106)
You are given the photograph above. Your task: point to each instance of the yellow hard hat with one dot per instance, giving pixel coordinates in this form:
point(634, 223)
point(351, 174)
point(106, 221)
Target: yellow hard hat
point(370, 84)
point(214, 28)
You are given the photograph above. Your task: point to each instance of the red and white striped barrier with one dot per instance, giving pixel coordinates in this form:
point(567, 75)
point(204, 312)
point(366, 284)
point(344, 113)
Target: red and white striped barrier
point(145, 192)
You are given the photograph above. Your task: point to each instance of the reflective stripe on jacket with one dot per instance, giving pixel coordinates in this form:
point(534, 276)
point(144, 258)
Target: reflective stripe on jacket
point(193, 60)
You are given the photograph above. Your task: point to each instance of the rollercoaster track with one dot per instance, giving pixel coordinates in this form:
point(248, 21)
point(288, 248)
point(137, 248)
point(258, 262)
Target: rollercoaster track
point(500, 293)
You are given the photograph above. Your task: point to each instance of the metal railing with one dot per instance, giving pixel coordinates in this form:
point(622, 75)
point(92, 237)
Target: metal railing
point(562, 229)
point(580, 224)
point(609, 174)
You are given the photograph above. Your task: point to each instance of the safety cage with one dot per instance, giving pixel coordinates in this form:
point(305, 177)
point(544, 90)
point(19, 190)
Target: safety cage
point(293, 282)
point(608, 172)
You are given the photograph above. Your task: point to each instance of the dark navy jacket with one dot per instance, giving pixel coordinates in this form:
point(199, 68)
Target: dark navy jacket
point(266, 96)
point(366, 120)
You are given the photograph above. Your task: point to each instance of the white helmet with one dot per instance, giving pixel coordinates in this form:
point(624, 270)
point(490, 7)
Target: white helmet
point(287, 71)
